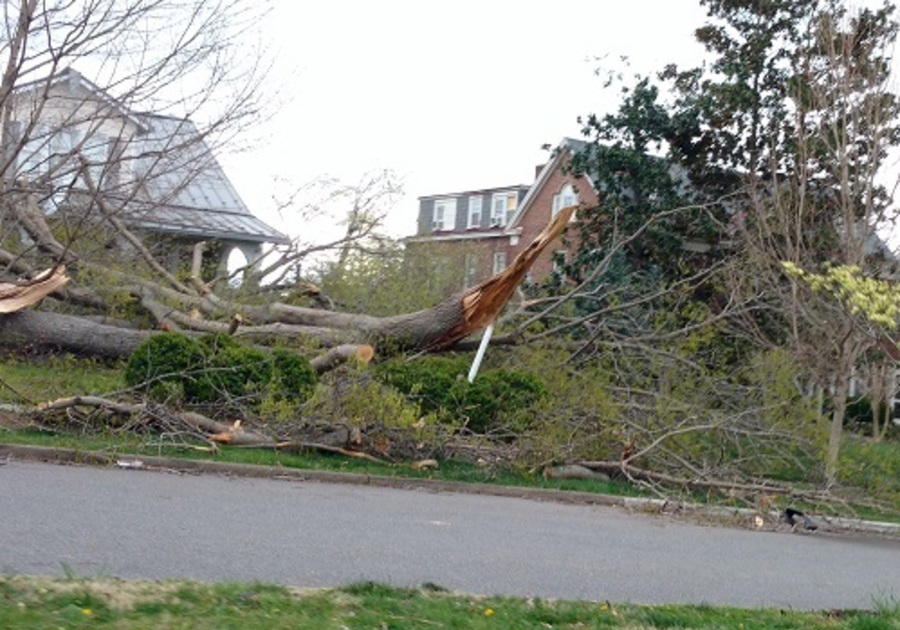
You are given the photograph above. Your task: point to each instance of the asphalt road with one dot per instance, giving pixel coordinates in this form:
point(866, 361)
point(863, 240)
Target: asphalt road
point(138, 524)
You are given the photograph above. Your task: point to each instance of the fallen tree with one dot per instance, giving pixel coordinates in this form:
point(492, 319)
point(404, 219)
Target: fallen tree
point(196, 308)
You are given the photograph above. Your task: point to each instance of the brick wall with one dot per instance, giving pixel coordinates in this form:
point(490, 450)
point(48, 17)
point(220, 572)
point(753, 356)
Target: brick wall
point(539, 214)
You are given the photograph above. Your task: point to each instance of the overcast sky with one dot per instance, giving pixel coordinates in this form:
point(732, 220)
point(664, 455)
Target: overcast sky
point(451, 96)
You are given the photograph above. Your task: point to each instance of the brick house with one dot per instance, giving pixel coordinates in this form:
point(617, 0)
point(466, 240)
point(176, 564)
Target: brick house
point(481, 231)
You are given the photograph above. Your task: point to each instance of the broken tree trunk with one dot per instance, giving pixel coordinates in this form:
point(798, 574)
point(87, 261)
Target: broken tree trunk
point(481, 304)
point(16, 296)
point(436, 328)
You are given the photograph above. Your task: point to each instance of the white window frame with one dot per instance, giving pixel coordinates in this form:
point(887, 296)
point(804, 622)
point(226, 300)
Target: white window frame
point(503, 206)
point(499, 262)
point(564, 198)
point(444, 215)
point(476, 203)
point(96, 151)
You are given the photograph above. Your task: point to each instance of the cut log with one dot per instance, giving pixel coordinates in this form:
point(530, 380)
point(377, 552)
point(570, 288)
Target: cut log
point(77, 334)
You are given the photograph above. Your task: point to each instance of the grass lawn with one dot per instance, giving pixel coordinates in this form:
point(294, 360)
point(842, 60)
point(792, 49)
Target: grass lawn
point(108, 603)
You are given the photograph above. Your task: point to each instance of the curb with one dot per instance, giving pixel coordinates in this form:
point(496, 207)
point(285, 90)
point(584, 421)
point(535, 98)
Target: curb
point(573, 497)
point(191, 466)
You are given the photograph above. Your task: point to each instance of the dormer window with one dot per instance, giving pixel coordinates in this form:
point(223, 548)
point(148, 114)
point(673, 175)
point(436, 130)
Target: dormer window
point(444, 216)
point(503, 206)
point(475, 202)
point(564, 198)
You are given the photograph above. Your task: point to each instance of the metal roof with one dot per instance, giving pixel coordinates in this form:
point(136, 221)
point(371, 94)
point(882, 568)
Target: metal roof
point(183, 189)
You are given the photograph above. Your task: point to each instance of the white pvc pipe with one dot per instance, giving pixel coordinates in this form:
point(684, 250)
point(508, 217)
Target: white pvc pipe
point(476, 363)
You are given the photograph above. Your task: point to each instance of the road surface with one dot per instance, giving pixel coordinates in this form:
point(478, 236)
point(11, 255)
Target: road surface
point(138, 524)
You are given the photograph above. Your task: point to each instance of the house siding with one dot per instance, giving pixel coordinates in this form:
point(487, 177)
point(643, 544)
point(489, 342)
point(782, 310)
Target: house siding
point(461, 220)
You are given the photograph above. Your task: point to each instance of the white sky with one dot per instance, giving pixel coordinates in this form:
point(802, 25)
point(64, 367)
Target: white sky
point(451, 96)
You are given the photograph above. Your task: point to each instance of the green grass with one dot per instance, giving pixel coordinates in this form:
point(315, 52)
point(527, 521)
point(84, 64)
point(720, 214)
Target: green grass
point(44, 603)
point(24, 381)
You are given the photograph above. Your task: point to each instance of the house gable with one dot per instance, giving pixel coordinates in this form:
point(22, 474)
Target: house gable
point(544, 198)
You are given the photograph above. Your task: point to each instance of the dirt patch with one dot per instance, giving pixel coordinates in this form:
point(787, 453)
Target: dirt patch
point(118, 594)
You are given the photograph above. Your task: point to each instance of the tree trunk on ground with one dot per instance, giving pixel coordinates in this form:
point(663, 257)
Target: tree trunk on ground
point(77, 334)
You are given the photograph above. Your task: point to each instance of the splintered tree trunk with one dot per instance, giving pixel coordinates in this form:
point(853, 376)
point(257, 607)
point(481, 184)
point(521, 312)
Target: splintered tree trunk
point(481, 304)
point(16, 296)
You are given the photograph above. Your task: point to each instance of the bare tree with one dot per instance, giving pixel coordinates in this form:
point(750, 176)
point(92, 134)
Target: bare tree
point(827, 209)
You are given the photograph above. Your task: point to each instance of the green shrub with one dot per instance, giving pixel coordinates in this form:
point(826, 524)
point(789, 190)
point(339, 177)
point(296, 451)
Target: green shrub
point(439, 384)
point(873, 467)
point(167, 356)
point(230, 372)
point(427, 381)
point(357, 399)
point(217, 368)
point(293, 377)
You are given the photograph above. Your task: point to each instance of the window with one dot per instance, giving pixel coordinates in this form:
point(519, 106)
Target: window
point(34, 158)
point(52, 151)
point(63, 143)
point(444, 217)
point(503, 205)
point(474, 211)
point(564, 198)
point(499, 262)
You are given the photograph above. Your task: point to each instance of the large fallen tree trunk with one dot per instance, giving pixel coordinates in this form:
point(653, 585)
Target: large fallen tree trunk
point(76, 334)
point(436, 328)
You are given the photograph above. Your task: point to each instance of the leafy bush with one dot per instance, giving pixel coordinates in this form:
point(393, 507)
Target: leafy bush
point(293, 378)
point(217, 368)
point(438, 384)
point(166, 357)
point(358, 400)
point(873, 467)
point(230, 372)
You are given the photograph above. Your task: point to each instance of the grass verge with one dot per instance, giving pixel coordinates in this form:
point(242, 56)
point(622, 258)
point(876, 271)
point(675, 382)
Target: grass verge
point(868, 469)
point(123, 444)
point(109, 603)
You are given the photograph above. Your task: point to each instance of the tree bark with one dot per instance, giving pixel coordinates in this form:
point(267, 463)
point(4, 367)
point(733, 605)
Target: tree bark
point(77, 334)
